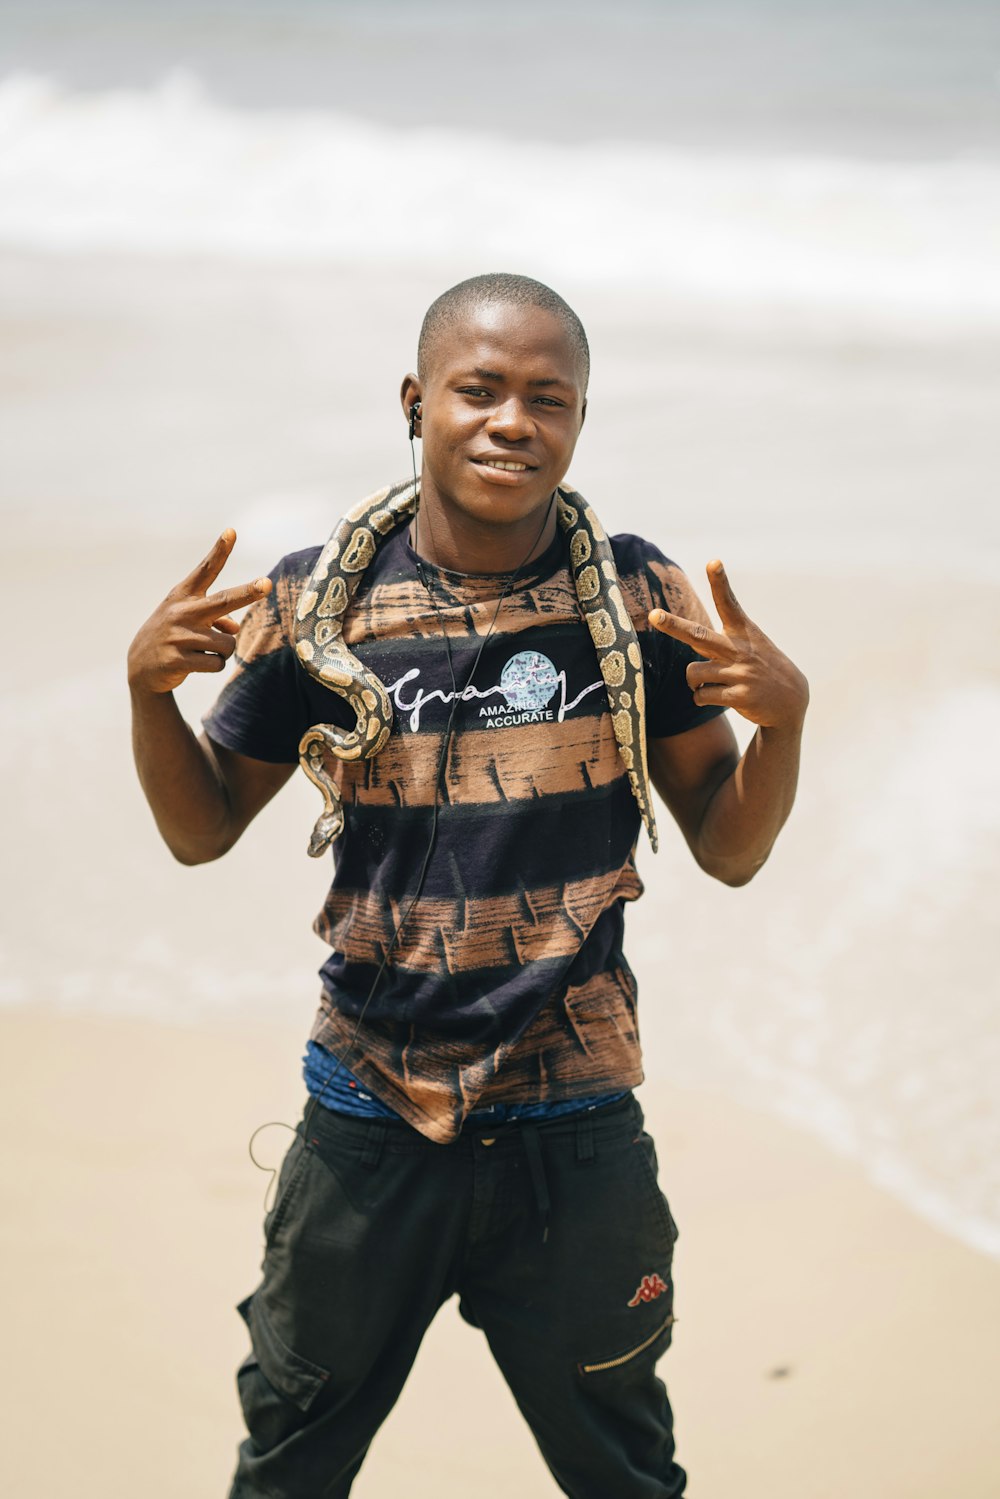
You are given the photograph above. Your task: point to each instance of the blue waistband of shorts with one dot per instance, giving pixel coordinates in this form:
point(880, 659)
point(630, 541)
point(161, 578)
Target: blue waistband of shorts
point(336, 1088)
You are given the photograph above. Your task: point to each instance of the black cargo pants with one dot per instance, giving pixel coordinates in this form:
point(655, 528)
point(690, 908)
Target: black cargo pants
point(558, 1242)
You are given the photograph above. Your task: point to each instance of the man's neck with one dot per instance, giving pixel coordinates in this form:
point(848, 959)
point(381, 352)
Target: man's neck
point(458, 544)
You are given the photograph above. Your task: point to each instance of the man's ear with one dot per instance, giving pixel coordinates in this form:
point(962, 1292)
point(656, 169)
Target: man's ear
point(583, 412)
point(410, 393)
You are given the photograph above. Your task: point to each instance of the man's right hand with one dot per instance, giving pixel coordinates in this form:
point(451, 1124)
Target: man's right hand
point(191, 630)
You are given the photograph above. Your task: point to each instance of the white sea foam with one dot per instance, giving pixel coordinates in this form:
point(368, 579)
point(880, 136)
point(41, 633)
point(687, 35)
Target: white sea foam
point(172, 171)
point(965, 1205)
point(881, 1032)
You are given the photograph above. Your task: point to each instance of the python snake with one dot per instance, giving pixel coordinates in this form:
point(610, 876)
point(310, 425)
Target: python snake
point(320, 647)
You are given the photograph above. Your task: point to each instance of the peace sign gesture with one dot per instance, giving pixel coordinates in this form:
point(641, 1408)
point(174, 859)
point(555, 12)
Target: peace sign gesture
point(744, 670)
point(191, 630)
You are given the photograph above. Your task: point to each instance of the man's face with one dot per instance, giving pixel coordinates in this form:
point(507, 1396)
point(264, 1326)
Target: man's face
point(502, 404)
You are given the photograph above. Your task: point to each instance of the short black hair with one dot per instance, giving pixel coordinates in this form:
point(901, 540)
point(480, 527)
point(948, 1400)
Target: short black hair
point(498, 287)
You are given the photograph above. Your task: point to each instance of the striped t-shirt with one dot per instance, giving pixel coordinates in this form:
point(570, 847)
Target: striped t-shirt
point(508, 981)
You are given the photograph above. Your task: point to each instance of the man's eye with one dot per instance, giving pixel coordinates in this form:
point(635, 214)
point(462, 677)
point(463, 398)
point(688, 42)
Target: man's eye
point(473, 390)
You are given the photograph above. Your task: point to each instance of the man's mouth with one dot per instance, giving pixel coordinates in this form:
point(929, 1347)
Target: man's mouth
point(508, 466)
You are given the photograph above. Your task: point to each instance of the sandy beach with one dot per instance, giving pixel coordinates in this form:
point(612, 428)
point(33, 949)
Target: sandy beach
point(828, 1343)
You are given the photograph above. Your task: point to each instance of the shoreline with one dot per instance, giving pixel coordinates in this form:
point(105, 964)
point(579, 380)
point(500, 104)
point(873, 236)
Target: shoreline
point(815, 1312)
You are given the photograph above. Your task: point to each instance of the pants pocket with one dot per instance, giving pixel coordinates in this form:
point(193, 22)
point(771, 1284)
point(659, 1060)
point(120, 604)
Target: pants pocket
point(655, 1198)
point(652, 1346)
point(289, 1180)
point(295, 1378)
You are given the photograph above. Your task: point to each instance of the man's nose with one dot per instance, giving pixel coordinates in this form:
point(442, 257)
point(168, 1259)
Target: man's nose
point(511, 420)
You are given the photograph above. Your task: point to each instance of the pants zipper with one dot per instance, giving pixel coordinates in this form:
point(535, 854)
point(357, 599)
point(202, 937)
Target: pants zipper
point(623, 1358)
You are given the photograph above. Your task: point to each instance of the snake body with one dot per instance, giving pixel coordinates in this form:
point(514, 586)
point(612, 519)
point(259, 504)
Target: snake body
point(321, 651)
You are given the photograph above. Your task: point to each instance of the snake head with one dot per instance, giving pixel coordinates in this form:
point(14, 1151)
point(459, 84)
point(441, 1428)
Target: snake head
point(328, 828)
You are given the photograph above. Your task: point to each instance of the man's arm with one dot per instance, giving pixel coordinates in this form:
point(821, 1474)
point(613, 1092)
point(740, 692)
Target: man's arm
point(731, 809)
point(201, 795)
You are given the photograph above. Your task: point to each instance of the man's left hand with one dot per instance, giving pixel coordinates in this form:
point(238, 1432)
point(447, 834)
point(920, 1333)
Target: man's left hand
point(744, 670)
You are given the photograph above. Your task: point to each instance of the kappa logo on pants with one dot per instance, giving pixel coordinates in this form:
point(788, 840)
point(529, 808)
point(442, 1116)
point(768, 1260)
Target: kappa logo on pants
point(648, 1289)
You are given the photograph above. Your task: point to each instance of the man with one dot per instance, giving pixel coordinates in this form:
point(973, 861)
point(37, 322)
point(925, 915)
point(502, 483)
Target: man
point(471, 1127)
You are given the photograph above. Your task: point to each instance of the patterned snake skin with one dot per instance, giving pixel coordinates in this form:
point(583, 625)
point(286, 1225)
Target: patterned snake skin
point(320, 647)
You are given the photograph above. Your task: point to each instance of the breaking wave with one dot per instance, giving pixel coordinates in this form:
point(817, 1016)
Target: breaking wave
point(172, 171)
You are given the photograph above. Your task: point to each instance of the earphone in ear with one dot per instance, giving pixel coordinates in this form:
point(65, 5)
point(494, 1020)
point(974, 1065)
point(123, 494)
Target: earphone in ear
point(414, 419)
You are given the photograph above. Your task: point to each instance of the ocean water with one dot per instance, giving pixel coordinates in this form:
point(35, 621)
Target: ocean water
point(783, 222)
point(841, 160)
point(889, 79)
point(171, 170)
point(832, 165)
